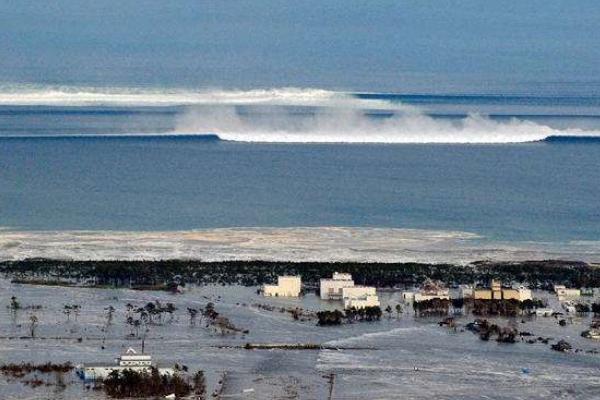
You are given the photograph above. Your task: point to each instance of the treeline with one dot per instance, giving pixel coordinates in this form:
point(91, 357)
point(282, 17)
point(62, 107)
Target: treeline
point(480, 307)
point(337, 317)
point(133, 384)
point(538, 274)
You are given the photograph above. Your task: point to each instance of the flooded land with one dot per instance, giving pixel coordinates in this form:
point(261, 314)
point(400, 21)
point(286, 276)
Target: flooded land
point(272, 352)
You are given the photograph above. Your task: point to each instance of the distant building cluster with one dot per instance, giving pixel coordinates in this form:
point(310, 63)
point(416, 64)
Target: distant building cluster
point(431, 290)
point(341, 287)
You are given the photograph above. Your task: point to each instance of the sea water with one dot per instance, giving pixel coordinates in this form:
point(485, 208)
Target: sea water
point(153, 161)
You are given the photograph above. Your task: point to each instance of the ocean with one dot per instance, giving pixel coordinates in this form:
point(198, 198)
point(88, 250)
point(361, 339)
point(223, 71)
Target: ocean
point(193, 116)
point(72, 160)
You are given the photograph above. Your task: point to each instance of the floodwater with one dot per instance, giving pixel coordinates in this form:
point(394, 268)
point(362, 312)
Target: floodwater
point(405, 357)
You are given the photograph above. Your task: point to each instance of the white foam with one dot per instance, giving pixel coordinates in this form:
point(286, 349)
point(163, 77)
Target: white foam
point(283, 244)
point(354, 127)
point(350, 124)
point(339, 117)
point(32, 95)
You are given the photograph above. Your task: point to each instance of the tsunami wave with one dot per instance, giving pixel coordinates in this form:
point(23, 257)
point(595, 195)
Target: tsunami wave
point(296, 115)
point(353, 126)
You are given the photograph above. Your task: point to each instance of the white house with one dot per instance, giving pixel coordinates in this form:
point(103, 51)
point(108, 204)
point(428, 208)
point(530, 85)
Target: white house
point(331, 289)
point(130, 360)
point(287, 286)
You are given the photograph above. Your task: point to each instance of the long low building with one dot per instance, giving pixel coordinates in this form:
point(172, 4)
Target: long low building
point(360, 297)
point(358, 291)
point(429, 291)
point(130, 360)
point(361, 302)
point(287, 286)
point(497, 292)
point(563, 292)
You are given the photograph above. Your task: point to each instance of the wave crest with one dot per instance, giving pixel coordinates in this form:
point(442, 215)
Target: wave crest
point(353, 125)
point(34, 95)
point(280, 115)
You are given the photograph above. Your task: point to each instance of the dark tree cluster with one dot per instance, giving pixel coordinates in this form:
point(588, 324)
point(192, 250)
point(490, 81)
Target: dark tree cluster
point(537, 274)
point(132, 384)
point(432, 307)
point(487, 331)
point(219, 322)
point(336, 317)
point(505, 308)
point(20, 370)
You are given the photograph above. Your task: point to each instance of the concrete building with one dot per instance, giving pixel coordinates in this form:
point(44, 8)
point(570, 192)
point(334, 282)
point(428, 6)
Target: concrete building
point(564, 293)
point(130, 360)
point(497, 292)
point(428, 291)
point(361, 302)
point(358, 291)
point(287, 286)
point(360, 297)
point(331, 289)
point(521, 294)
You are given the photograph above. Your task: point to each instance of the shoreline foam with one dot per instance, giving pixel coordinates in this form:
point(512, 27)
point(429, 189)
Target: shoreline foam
point(319, 244)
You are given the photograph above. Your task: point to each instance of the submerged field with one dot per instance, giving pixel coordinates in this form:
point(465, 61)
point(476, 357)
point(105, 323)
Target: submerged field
point(403, 356)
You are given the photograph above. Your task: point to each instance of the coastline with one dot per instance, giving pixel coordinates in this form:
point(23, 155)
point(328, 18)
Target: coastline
point(296, 244)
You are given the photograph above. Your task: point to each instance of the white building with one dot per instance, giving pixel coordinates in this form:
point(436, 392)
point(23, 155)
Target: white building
point(430, 290)
point(360, 297)
point(361, 302)
point(287, 286)
point(563, 292)
point(358, 291)
point(130, 360)
point(331, 289)
point(441, 294)
point(524, 293)
point(544, 312)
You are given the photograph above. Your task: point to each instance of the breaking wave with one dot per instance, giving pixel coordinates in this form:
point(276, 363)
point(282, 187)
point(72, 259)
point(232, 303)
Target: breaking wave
point(354, 126)
point(295, 115)
point(34, 95)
